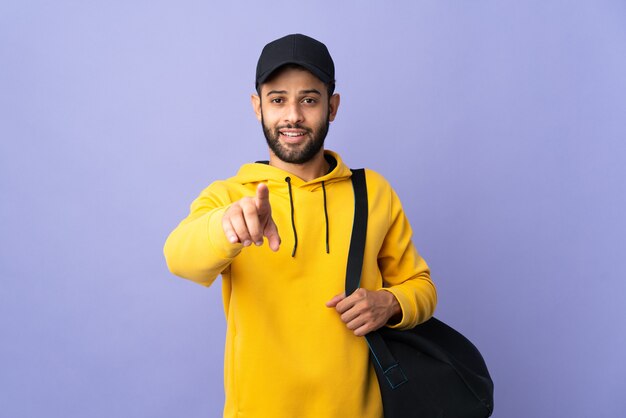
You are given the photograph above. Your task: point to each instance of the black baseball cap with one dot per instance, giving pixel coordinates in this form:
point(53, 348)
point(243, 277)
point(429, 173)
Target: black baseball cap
point(295, 49)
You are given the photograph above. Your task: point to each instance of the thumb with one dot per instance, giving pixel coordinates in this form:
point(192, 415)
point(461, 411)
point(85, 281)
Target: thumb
point(335, 300)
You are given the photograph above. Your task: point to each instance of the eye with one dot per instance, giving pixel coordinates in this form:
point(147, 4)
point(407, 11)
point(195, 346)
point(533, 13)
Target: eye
point(277, 100)
point(309, 100)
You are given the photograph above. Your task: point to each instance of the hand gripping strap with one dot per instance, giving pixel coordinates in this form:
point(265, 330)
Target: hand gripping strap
point(381, 354)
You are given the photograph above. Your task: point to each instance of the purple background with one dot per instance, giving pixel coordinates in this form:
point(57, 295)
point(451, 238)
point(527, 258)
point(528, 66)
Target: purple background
point(500, 123)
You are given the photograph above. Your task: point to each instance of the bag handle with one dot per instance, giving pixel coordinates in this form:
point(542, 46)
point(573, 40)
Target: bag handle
point(383, 357)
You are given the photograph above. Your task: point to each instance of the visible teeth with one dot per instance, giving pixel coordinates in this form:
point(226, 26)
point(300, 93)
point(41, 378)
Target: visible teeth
point(291, 134)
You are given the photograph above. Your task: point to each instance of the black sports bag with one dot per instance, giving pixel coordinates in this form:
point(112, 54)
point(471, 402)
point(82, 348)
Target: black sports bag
point(430, 371)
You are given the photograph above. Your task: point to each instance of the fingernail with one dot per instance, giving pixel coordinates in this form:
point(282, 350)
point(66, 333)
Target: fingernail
point(258, 243)
point(247, 243)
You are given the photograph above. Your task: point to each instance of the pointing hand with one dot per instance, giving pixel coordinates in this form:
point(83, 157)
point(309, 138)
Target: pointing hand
point(249, 219)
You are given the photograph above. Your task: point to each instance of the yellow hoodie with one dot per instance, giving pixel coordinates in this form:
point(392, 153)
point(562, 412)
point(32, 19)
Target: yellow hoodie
point(287, 354)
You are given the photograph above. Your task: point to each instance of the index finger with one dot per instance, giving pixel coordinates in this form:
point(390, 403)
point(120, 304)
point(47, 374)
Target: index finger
point(262, 196)
point(346, 303)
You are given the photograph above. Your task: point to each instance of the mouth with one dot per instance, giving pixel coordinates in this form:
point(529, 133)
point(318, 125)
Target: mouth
point(293, 136)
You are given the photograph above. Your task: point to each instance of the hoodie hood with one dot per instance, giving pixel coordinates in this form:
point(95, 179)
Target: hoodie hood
point(262, 172)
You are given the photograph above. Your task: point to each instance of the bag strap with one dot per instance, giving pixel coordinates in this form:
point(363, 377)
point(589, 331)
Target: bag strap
point(381, 354)
point(359, 232)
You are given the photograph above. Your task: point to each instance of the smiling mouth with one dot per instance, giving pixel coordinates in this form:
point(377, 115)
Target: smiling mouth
point(292, 133)
point(293, 136)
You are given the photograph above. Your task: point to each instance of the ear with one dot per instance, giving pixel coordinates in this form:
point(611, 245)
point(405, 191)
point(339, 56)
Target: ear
point(333, 105)
point(256, 106)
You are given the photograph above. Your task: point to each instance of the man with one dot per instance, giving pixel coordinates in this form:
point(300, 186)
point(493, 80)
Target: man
point(278, 232)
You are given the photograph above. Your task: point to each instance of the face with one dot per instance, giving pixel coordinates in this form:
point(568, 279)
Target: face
point(295, 112)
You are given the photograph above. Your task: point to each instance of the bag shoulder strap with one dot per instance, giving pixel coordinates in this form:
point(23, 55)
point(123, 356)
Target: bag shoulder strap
point(380, 352)
point(359, 232)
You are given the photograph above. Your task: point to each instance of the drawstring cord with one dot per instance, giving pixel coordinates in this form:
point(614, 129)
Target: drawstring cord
point(326, 217)
point(293, 222)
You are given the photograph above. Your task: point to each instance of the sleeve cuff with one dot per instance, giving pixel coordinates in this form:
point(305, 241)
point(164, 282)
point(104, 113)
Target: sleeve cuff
point(408, 319)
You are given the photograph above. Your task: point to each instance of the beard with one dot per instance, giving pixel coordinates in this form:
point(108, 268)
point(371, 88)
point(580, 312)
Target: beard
point(296, 154)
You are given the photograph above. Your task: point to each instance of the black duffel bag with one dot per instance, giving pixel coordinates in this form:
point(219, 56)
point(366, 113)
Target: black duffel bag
point(430, 371)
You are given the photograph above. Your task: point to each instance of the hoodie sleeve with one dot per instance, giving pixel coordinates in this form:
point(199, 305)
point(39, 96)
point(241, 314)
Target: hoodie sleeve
point(405, 273)
point(198, 249)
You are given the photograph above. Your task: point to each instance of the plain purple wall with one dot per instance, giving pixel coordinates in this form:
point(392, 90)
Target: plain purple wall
point(500, 123)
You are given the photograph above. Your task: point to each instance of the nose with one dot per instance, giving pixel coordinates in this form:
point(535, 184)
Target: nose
point(294, 114)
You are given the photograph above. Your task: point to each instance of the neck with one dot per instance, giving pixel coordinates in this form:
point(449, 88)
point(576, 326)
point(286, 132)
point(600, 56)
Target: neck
point(312, 169)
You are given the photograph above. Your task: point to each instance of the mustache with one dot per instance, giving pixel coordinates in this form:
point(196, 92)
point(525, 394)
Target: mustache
point(294, 126)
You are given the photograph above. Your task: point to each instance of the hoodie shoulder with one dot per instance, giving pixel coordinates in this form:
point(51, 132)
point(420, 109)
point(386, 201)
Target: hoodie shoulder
point(376, 179)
